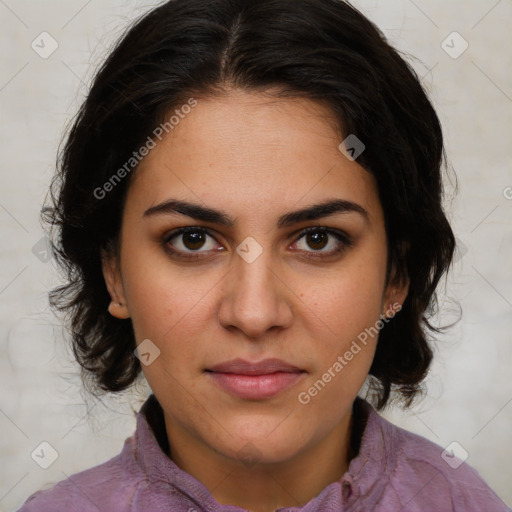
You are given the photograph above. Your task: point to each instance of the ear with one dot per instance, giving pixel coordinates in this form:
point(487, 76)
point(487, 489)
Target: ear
point(395, 294)
point(114, 283)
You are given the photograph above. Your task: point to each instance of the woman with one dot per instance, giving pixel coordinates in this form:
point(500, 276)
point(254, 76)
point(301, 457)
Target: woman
point(249, 211)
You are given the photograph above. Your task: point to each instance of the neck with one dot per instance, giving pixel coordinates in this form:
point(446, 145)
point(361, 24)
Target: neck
point(262, 487)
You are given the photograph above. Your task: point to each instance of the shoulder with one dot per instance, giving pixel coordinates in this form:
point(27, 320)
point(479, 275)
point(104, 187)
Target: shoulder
point(142, 477)
point(425, 472)
point(108, 487)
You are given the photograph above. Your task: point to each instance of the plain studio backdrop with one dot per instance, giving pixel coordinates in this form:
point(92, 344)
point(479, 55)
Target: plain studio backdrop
point(462, 51)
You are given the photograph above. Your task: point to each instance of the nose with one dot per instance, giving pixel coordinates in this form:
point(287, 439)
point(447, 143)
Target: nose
point(255, 298)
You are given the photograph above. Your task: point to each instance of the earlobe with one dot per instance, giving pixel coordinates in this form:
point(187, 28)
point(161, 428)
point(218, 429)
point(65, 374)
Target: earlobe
point(395, 296)
point(118, 310)
point(391, 309)
point(112, 275)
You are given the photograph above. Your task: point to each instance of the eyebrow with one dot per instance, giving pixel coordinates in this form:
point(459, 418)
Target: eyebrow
point(313, 212)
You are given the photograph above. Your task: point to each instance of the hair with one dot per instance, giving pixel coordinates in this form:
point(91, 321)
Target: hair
point(323, 50)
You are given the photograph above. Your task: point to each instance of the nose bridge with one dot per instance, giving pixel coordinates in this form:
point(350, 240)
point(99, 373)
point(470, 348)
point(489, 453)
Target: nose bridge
point(256, 277)
point(254, 299)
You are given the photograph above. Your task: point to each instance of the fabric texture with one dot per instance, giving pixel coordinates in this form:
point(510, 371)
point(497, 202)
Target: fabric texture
point(392, 470)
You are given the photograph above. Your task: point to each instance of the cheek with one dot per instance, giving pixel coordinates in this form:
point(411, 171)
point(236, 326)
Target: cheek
point(349, 314)
point(351, 300)
point(171, 314)
point(348, 306)
point(169, 305)
point(348, 323)
point(164, 303)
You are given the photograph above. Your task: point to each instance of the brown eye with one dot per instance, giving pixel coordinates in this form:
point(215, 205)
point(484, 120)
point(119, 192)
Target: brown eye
point(193, 240)
point(317, 239)
point(190, 243)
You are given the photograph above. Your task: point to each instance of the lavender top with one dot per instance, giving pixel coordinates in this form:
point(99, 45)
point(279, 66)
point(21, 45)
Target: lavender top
point(394, 470)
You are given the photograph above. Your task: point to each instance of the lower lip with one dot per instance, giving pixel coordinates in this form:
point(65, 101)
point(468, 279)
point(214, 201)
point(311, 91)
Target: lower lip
point(255, 387)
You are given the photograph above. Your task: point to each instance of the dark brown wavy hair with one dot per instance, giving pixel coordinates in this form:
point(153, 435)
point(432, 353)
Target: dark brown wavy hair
point(325, 50)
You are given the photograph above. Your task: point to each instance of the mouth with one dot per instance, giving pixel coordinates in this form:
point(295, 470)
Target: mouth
point(255, 381)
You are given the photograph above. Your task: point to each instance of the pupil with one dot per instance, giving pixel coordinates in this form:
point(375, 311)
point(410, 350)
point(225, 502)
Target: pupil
point(196, 239)
point(317, 237)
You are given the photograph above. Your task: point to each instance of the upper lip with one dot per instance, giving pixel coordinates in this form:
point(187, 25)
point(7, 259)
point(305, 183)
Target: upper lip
point(242, 367)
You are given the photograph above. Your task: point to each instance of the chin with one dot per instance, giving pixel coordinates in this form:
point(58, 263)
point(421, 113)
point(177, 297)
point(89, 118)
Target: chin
point(254, 453)
point(258, 447)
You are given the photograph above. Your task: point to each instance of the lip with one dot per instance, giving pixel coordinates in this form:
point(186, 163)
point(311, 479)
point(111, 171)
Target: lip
point(264, 367)
point(255, 381)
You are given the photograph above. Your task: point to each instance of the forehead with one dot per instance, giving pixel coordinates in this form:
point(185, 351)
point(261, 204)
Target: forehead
point(249, 152)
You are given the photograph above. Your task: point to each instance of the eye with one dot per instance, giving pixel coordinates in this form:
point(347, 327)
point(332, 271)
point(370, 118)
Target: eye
point(189, 240)
point(320, 238)
point(193, 242)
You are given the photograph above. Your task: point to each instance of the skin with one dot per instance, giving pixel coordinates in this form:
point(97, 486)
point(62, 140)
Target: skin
point(256, 158)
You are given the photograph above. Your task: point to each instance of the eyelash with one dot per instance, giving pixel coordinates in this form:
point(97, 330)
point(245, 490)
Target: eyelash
point(341, 236)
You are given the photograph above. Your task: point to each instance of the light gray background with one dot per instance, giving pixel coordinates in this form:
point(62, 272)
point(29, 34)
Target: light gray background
point(469, 388)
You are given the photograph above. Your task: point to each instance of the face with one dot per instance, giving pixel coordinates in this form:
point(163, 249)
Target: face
point(251, 278)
